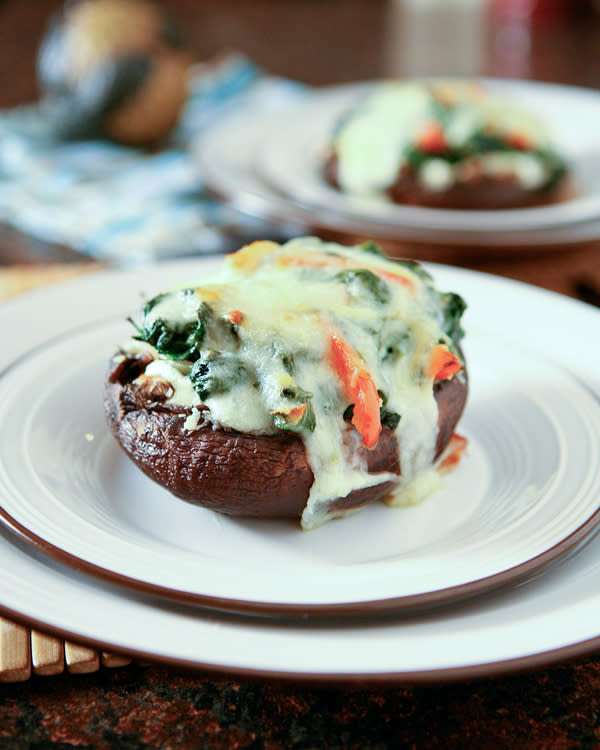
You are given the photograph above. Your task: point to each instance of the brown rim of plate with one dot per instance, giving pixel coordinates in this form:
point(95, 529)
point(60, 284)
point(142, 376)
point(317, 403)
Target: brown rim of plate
point(542, 659)
point(438, 245)
point(403, 604)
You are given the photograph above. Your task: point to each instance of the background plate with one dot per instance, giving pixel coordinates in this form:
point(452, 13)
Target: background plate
point(275, 171)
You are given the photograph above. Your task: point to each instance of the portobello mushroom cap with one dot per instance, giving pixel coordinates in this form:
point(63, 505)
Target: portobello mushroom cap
point(481, 193)
point(235, 473)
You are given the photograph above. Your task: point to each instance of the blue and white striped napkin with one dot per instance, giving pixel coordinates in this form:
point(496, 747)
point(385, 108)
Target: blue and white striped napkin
point(120, 204)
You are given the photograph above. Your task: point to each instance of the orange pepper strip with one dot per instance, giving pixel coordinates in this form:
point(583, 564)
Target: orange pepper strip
point(207, 294)
point(315, 260)
point(318, 260)
point(453, 453)
point(251, 256)
point(359, 387)
point(408, 283)
point(443, 364)
point(235, 316)
point(296, 414)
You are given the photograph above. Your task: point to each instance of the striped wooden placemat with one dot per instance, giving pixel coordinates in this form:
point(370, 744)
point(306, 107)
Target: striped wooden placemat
point(25, 652)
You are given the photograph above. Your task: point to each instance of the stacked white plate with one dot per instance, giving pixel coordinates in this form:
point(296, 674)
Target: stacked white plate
point(270, 164)
point(497, 571)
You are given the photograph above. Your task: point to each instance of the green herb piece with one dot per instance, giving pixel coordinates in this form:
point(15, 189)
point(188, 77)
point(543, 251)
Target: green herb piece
point(227, 333)
point(440, 110)
point(361, 282)
point(295, 393)
point(300, 416)
point(389, 419)
point(415, 158)
point(175, 340)
point(151, 304)
point(395, 345)
point(417, 269)
point(372, 248)
point(482, 142)
point(555, 164)
point(348, 413)
point(453, 307)
point(287, 359)
point(217, 372)
point(306, 422)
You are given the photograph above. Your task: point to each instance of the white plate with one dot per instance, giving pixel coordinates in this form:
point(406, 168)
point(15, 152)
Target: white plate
point(551, 616)
point(271, 164)
point(527, 491)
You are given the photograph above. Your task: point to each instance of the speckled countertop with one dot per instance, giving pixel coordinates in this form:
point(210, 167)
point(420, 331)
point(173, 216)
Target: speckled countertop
point(138, 707)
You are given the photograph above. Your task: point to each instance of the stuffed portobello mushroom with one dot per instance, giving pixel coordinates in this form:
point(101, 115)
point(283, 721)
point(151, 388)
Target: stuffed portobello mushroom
point(303, 380)
point(445, 144)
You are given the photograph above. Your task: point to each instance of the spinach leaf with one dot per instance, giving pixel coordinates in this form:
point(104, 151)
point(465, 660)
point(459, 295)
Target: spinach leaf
point(217, 372)
point(293, 392)
point(389, 419)
point(288, 418)
point(348, 413)
point(306, 423)
point(287, 359)
point(556, 165)
point(417, 269)
point(361, 282)
point(483, 142)
point(176, 343)
point(394, 344)
point(372, 248)
point(415, 157)
point(151, 304)
point(175, 340)
point(453, 306)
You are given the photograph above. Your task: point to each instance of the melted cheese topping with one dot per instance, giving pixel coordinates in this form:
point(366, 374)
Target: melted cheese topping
point(264, 360)
point(372, 142)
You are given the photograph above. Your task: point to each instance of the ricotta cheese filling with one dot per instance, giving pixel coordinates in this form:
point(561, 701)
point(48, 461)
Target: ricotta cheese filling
point(311, 337)
point(446, 133)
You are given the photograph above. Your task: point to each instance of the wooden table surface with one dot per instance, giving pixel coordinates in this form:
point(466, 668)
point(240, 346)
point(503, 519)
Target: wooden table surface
point(138, 706)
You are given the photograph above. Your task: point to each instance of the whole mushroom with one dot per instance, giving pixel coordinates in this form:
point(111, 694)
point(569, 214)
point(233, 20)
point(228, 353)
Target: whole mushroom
point(113, 69)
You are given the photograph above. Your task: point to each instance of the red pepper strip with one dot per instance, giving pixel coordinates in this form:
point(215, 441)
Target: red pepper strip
point(359, 387)
point(519, 141)
point(443, 363)
point(431, 139)
point(453, 453)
